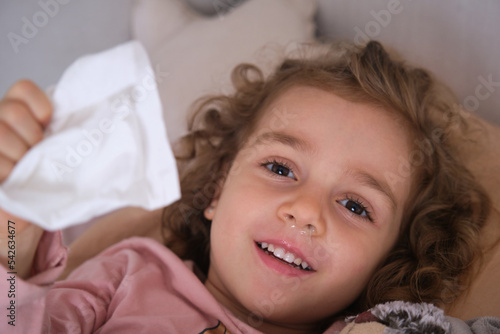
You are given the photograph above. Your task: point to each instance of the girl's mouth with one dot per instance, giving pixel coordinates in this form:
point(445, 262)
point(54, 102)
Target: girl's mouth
point(284, 256)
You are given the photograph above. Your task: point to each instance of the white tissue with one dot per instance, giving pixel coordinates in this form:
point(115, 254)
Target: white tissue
point(105, 148)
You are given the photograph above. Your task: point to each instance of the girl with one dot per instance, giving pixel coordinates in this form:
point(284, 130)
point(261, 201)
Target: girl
point(321, 191)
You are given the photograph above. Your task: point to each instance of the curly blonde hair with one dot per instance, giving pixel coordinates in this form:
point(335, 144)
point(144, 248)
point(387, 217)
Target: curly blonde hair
point(445, 209)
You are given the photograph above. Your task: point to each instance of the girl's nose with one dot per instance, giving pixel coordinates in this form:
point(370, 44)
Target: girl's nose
point(304, 212)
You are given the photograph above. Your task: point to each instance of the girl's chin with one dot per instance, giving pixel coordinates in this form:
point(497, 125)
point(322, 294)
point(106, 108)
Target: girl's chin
point(282, 307)
point(277, 316)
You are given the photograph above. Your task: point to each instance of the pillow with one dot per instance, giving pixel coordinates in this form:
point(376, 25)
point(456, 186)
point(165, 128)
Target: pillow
point(193, 55)
point(154, 22)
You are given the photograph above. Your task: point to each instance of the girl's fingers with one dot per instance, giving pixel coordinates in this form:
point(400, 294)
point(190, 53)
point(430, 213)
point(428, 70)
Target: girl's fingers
point(6, 166)
point(18, 117)
point(13, 147)
point(24, 111)
point(34, 98)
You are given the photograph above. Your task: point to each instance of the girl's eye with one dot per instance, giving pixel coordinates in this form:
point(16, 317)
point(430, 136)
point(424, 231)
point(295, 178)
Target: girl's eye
point(279, 169)
point(356, 207)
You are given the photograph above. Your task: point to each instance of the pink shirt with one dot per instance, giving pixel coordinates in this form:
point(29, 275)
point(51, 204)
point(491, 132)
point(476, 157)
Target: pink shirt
point(136, 286)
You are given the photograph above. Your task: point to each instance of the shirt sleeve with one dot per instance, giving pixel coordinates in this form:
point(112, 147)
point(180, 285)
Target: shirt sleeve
point(76, 305)
point(50, 259)
point(23, 300)
point(80, 304)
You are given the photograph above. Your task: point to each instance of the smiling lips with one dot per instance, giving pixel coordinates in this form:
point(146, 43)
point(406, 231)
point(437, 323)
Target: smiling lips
point(284, 256)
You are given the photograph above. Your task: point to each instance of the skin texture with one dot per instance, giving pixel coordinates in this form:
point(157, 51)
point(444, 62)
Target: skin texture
point(295, 183)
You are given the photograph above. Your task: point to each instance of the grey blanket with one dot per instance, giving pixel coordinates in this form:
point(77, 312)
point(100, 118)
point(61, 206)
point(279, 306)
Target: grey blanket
point(483, 325)
point(400, 317)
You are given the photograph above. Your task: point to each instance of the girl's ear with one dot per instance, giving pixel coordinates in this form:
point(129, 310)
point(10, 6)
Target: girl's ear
point(210, 210)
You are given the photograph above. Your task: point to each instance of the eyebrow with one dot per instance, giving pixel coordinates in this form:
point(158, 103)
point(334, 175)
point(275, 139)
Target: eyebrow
point(379, 185)
point(285, 139)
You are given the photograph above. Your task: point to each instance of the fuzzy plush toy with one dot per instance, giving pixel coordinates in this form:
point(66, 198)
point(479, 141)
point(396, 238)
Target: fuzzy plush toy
point(400, 317)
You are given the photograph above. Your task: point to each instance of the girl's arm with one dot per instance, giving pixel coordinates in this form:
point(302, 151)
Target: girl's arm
point(25, 111)
point(30, 258)
point(18, 243)
point(79, 305)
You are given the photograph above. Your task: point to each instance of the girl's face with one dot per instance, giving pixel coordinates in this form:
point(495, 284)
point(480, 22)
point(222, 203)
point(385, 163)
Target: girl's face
point(313, 182)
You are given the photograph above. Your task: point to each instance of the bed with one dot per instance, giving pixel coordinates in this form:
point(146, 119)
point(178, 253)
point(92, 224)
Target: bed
point(195, 43)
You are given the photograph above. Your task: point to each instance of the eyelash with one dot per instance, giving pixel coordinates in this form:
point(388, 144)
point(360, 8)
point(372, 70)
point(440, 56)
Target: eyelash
point(359, 202)
point(279, 163)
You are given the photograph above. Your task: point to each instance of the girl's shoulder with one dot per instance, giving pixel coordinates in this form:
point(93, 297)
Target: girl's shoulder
point(139, 278)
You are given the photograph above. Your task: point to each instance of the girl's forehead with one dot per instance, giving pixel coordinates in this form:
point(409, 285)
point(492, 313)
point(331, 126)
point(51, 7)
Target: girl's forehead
point(300, 103)
point(315, 114)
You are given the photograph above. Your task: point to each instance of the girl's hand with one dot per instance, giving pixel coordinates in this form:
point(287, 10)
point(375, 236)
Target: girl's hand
point(25, 111)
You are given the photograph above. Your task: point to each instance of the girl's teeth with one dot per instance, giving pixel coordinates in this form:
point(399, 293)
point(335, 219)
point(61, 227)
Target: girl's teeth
point(279, 252)
point(289, 257)
point(286, 256)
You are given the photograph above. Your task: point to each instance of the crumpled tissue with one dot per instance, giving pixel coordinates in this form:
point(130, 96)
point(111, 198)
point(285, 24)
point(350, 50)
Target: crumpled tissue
point(105, 148)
